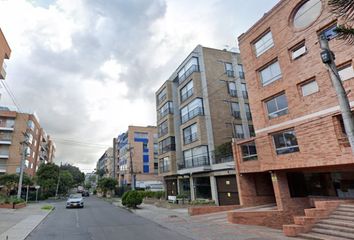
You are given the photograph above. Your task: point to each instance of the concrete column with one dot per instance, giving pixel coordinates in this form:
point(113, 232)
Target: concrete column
point(192, 188)
point(179, 187)
point(214, 190)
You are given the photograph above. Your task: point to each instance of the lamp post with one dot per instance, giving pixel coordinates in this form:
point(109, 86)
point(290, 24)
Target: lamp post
point(37, 187)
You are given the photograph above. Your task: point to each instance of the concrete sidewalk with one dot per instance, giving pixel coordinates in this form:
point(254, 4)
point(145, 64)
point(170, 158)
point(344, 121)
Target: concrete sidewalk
point(16, 224)
point(206, 227)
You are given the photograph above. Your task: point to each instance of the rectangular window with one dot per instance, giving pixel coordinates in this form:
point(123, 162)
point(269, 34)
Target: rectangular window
point(190, 67)
point(309, 88)
point(241, 73)
point(161, 96)
point(165, 109)
point(270, 74)
point(193, 109)
point(196, 157)
point(277, 106)
point(298, 51)
point(229, 70)
point(330, 32)
point(190, 134)
point(167, 145)
point(285, 142)
point(248, 112)
point(163, 129)
point(232, 89)
point(141, 135)
point(239, 131)
point(263, 44)
point(235, 110)
point(252, 132)
point(249, 151)
point(346, 72)
point(187, 91)
point(244, 90)
point(164, 165)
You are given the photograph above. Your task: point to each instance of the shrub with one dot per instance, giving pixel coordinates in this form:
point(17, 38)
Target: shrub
point(132, 199)
point(202, 202)
point(47, 207)
point(94, 192)
point(151, 194)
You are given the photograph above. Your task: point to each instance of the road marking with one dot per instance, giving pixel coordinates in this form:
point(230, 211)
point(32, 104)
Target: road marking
point(77, 218)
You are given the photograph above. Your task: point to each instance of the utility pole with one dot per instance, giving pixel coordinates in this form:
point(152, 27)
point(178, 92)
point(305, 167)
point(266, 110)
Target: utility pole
point(327, 57)
point(23, 158)
point(56, 191)
point(131, 168)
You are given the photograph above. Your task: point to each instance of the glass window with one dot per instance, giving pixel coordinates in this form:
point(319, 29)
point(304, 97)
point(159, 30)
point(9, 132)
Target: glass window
point(239, 131)
point(309, 88)
point(252, 132)
point(193, 109)
point(30, 124)
point(285, 142)
point(346, 72)
point(190, 134)
point(161, 96)
point(330, 32)
point(190, 67)
point(166, 145)
point(249, 151)
point(271, 73)
point(298, 51)
point(244, 90)
point(141, 135)
point(164, 165)
point(277, 106)
point(229, 69)
point(165, 109)
point(235, 110)
point(196, 157)
point(264, 43)
point(162, 129)
point(307, 13)
point(232, 89)
point(187, 91)
point(248, 111)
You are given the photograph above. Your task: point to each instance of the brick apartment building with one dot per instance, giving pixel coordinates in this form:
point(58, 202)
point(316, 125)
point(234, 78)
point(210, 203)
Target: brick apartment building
point(300, 151)
point(105, 163)
point(16, 128)
point(200, 108)
point(5, 53)
point(140, 145)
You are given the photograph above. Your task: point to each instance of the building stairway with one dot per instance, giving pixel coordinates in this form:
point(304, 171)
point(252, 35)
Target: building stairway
point(339, 225)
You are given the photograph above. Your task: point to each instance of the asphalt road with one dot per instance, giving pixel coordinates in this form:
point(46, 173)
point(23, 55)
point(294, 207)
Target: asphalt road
point(99, 220)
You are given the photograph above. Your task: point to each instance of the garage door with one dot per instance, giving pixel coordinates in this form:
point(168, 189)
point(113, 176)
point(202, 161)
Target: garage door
point(171, 187)
point(227, 190)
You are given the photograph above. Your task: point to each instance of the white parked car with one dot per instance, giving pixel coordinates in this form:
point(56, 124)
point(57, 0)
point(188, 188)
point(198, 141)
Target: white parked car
point(75, 200)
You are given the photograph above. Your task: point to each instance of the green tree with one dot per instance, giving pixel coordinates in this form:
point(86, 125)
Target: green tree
point(47, 178)
point(10, 181)
point(344, 9)
point(66, 181)
point(78, 176)
point(106, 184)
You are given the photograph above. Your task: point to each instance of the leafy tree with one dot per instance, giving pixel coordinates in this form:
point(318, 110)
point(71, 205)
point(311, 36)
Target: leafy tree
point(132, 199)
point(47, 178)
point(345, 10)
point(106, 184)
point(78, 176)
point(100, 172)
point(10, 181)
point(88, 185)
point(66, 181)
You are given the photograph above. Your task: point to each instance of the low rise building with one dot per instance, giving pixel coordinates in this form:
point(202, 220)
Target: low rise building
point(5, 53)
point(104, 165)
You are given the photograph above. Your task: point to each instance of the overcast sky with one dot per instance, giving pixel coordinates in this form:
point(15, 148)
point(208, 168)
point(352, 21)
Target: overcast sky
point(89, 68)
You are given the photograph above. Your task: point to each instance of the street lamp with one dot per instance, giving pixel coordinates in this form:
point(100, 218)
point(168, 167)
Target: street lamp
point(37, 187)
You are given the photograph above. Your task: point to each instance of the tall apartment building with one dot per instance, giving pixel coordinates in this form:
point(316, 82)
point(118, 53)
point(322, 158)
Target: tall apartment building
point(5, 53)
point(200, 108)
point(300, 150)
point(105, 163)
point(15, 129)
point(138, 145)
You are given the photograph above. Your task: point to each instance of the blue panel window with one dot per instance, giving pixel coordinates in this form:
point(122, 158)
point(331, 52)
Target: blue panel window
point(146, 168)
point(145, 158)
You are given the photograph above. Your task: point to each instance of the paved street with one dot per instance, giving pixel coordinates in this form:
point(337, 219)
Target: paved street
point(99, 220)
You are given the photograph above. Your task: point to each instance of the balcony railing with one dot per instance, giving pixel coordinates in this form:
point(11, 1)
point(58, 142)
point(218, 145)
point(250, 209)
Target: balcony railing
point(190, 138)
point(168, 148)
point(165, 112)
point(161, 99)
point(7, 124)
point(186, 95)
point(230, 73)
point(241, 74)
point(164, 168)
point(224, 158)
point(190, 70)
point(163, 132)
point(236, 114)
point(245, 94)
point(194, 162)
point(191, 114)
point(233, 93)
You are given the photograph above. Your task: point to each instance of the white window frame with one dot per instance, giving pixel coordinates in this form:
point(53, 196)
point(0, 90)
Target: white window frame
point(263, 44)
point(345, 69)
point(278, 110)
point(271, 68)
point(312, 83)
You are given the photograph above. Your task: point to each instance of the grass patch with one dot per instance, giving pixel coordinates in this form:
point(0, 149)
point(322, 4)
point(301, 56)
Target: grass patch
point(47, 207)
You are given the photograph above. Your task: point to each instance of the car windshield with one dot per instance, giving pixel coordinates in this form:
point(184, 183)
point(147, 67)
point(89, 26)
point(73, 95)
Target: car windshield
point(75, 196)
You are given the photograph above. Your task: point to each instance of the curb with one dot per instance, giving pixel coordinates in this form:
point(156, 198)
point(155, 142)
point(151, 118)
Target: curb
point(49, 212)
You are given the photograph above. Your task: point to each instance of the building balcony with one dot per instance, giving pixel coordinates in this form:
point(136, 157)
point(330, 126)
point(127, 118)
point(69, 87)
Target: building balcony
point(3, 71)
point(165, 113)
point(194, 162)
point(162, 132)
point(4, 155)
point(198, 111)
point(164, 169)
point(167, 148)
point(190, 70)
point(186, 95)
point(5, 141)
point(190, 138)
